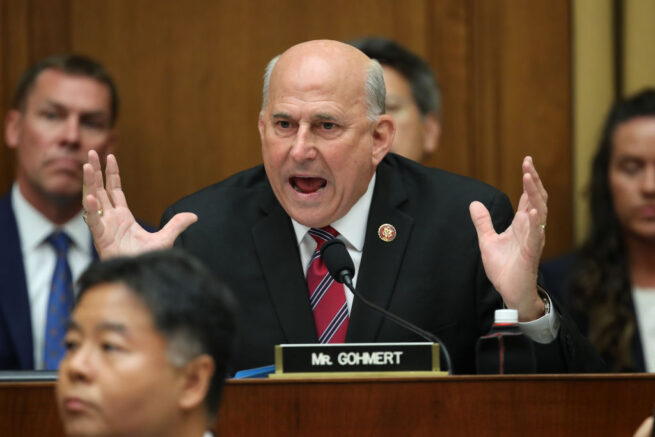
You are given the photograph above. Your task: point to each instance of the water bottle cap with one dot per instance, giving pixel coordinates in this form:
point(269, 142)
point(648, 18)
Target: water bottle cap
point(506, 316)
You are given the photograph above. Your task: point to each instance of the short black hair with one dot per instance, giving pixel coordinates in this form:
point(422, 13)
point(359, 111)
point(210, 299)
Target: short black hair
point(422, 80)
point(69, 63)
point(189, 306)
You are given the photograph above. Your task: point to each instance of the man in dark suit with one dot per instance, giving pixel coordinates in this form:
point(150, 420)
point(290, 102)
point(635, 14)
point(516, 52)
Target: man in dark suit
point(63, 107)
point(325, 140)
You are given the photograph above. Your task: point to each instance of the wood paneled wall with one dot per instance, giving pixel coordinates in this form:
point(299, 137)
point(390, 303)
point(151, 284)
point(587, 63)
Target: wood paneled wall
point(190, 80)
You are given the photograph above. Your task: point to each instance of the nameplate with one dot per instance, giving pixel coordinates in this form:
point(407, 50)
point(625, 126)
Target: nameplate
point(356, 359)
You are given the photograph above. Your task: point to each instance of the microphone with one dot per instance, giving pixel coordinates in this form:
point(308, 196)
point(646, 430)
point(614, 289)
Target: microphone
point(341, 268)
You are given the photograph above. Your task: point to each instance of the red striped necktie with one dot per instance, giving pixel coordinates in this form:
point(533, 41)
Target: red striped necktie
point(327, 297)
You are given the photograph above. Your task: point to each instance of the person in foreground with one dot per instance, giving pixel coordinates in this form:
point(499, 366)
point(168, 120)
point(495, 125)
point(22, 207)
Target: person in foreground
point(645, 429)
point(327, 174)
point(63, 106)
point(413, 98)
point(147, 349)
point(609, 283)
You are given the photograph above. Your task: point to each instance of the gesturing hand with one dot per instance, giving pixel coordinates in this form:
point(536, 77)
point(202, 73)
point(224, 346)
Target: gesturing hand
point(113, 227)
point(511, 259)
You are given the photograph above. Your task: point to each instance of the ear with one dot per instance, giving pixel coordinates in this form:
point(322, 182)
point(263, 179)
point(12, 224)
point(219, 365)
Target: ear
point(383, 132)
point(13, 128)
point(260, 126)
point(432, 128)
point(197, 378)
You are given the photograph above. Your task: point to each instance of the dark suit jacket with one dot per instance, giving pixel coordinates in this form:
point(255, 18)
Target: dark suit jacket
point(431, 274)
point(16, 349)
point(558, 274)
point(15, 320)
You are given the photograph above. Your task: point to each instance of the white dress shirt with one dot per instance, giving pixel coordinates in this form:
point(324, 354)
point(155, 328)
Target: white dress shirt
point(39, 259)
point(352, 230)
point(644, 299)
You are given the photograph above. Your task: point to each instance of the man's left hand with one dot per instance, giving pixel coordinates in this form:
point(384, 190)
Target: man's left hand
point(511, 259)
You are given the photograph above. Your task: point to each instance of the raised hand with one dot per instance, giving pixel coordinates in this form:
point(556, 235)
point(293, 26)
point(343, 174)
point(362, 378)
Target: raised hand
point(113, 227)
point(511, 259)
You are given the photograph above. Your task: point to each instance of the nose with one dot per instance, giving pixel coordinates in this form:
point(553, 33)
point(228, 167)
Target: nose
point(302, 147)
point(77, 365)
point(71, 131)
point(648, 182)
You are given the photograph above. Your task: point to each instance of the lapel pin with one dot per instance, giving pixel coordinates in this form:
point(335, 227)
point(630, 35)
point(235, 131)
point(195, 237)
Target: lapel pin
point(387, 232)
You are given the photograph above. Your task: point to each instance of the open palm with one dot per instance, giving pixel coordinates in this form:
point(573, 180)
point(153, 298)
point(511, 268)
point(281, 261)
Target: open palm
point(114, 229)
point(511, 259)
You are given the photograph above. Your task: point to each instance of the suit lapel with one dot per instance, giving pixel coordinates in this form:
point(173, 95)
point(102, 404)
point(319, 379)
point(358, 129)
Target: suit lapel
point(275, 242)
point(380, 260)
point(14, 300)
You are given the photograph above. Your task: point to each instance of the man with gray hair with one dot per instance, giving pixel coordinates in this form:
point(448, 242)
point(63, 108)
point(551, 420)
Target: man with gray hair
point(422, 240)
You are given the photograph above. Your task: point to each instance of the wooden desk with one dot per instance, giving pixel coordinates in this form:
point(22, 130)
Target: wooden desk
point(557, 405)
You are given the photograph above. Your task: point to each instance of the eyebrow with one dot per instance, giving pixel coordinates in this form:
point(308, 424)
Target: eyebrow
point(281, 115)
point(59, 106)
point(327, 117)
point(102, 326)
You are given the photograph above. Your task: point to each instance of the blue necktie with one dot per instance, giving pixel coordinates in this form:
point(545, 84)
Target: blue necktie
point(60, 302)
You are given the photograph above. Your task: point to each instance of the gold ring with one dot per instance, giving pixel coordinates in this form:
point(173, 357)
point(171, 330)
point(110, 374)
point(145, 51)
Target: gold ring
point(100, 214)
point(543, 227)
point(84, 215)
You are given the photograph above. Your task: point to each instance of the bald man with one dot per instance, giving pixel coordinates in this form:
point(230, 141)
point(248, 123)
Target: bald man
point(424, 242)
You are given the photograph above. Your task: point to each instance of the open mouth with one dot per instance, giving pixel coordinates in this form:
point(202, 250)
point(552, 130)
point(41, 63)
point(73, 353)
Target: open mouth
point(307, 185)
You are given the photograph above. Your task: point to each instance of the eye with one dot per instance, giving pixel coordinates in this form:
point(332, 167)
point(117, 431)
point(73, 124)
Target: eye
point(284, 124)
point(49, 115)
point(392, 107)
point(94, 123)
point(630, 166)
point(70, 345)
point(108, 346)
point(328, 125)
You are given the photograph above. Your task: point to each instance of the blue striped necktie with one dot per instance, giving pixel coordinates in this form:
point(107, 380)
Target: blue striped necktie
point(60, 302)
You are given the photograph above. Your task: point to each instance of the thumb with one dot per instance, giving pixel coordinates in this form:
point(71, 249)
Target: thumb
point(177, 225)
point(481, 219)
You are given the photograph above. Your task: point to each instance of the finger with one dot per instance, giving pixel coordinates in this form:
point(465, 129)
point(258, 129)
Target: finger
point(524, 202)
point(97, 182)
point(481, 219)
point(90, 169)
point(93, 220)
point(529, 167)
point(114, 182)
point(87, 184)
point(177, 225)
point(534, 198)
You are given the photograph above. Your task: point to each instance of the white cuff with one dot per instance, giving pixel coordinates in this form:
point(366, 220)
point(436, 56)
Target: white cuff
point(543, 330)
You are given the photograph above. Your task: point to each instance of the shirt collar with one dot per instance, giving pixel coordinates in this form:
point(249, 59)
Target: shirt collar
point(34, 227)
point(352, 226)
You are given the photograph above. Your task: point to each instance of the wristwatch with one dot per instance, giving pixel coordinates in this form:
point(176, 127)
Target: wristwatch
point(544, 298)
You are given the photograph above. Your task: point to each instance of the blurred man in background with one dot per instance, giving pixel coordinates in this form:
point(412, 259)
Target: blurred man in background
point(63, 107)
point(413, 98)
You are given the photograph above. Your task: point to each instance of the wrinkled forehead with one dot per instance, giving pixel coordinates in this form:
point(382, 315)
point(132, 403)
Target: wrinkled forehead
point(320, 71)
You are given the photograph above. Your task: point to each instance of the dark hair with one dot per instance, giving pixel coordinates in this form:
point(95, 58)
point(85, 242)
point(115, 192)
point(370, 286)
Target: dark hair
point(189, 306)
point(601, 291)
point(73, 64)
point(419, 74)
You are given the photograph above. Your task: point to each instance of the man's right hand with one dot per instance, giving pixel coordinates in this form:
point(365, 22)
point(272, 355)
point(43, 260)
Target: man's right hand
point(113, 227)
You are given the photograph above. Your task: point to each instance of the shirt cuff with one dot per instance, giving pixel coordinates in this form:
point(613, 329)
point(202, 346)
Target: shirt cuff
point(543, 330)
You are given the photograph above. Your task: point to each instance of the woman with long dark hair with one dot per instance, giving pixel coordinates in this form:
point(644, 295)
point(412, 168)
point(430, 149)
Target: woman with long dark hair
point(609, 284)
